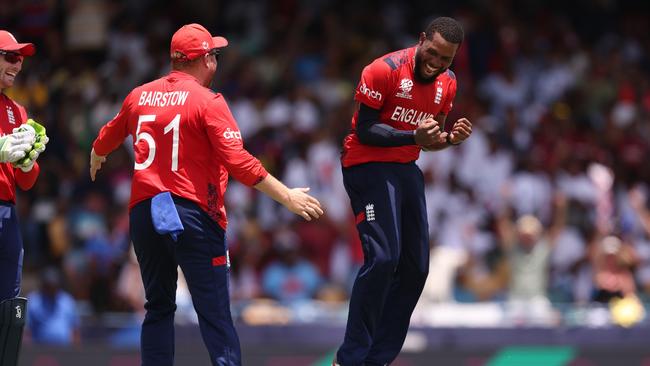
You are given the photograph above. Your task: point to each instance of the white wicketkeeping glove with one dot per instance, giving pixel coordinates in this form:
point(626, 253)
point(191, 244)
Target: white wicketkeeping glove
point(15, 146)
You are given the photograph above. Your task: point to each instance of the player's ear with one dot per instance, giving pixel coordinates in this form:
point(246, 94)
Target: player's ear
point(207, 59)
point(423, 37)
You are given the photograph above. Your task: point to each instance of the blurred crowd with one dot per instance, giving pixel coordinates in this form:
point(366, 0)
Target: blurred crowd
point(546, 202)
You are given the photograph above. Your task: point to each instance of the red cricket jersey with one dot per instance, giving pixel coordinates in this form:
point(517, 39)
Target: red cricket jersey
point(186, 142)
point(388, 84)
point(13, 115)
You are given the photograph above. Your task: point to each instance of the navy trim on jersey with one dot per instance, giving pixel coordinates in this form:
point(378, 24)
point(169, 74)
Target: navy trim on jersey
point(397, 59)
point(451, 74)
point(374, 133)
point(390, 63)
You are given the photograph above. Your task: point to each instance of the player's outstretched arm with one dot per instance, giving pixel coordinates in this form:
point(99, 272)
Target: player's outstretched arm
point(96, 162)
point(295, 200)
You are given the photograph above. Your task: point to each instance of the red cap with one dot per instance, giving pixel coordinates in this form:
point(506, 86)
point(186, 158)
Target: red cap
point(193, 40)
point(8, 43)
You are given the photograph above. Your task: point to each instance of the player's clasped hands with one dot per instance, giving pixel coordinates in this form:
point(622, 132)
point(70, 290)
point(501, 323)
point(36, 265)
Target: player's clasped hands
point(23, 146)
point(304, 205)
point(39, 140)
point(15, 146)
point(461, 131)
point(428, 132)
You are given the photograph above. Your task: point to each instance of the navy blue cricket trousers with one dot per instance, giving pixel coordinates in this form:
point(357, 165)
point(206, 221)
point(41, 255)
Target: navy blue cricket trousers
point(11, 252)
point(388, 201)
point(201, 253)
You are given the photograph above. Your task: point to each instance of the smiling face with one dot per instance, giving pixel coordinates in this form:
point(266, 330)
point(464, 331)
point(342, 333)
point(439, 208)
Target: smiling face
point(433, 57)
point(9, 70)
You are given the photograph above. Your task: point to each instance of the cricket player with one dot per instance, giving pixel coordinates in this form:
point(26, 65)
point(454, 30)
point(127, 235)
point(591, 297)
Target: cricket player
point(186, 144)
point(19, 148)
point(403, 99)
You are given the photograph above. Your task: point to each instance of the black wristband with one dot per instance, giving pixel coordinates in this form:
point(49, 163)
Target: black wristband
point(451, 143)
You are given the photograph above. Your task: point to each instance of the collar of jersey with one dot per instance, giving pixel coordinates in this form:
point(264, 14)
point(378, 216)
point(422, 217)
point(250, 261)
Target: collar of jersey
point(182, 75)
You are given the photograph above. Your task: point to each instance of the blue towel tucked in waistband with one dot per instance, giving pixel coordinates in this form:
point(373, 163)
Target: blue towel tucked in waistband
point(164, 215)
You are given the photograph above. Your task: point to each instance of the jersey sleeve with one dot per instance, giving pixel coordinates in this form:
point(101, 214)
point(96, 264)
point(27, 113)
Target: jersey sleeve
point(228, 146)
point(114, 132)
point(374, 85)
point(26, 180)
point(449, 100)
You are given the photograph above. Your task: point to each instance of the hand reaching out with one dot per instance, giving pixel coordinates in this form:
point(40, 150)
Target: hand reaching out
point(96, 162)
point(302, 204)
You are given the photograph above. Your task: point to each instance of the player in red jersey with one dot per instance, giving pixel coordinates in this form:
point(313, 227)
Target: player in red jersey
point(186, 144)
point(403, 99)
point(17, 140)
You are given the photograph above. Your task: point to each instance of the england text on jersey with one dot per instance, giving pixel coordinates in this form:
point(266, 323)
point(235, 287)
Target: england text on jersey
point(408, 115)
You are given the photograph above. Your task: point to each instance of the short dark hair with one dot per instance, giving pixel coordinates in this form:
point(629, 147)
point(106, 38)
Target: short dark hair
point(449, 28)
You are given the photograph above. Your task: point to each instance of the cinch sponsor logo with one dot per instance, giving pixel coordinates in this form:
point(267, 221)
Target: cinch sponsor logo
point(230, 134)
point(407, 115)
point(369, 92)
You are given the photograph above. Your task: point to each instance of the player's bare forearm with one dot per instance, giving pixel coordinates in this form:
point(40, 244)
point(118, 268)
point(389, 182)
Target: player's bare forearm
point(295, 200)
point(274, 189)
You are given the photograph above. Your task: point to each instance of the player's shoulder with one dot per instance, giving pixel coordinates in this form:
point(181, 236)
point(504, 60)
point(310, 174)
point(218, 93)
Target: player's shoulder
point(398, 59)
point(143, 88)
point(450, 75)
point(150, 86)
point(390, 62)
point(10, 103)
point(5, 99)
point(216, 102)
point(216, 108)
point(447, 77)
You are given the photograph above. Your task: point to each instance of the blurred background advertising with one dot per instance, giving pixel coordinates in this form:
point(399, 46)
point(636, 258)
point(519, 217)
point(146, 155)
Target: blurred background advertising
point(539, 223)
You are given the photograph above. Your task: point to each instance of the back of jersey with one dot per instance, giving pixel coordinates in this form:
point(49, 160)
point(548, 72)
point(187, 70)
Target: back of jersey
point(172, 149)
point(186, 142)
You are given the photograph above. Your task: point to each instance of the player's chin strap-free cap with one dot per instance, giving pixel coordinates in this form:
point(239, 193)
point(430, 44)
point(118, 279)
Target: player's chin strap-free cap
point(192, 41)
point(9, 43)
